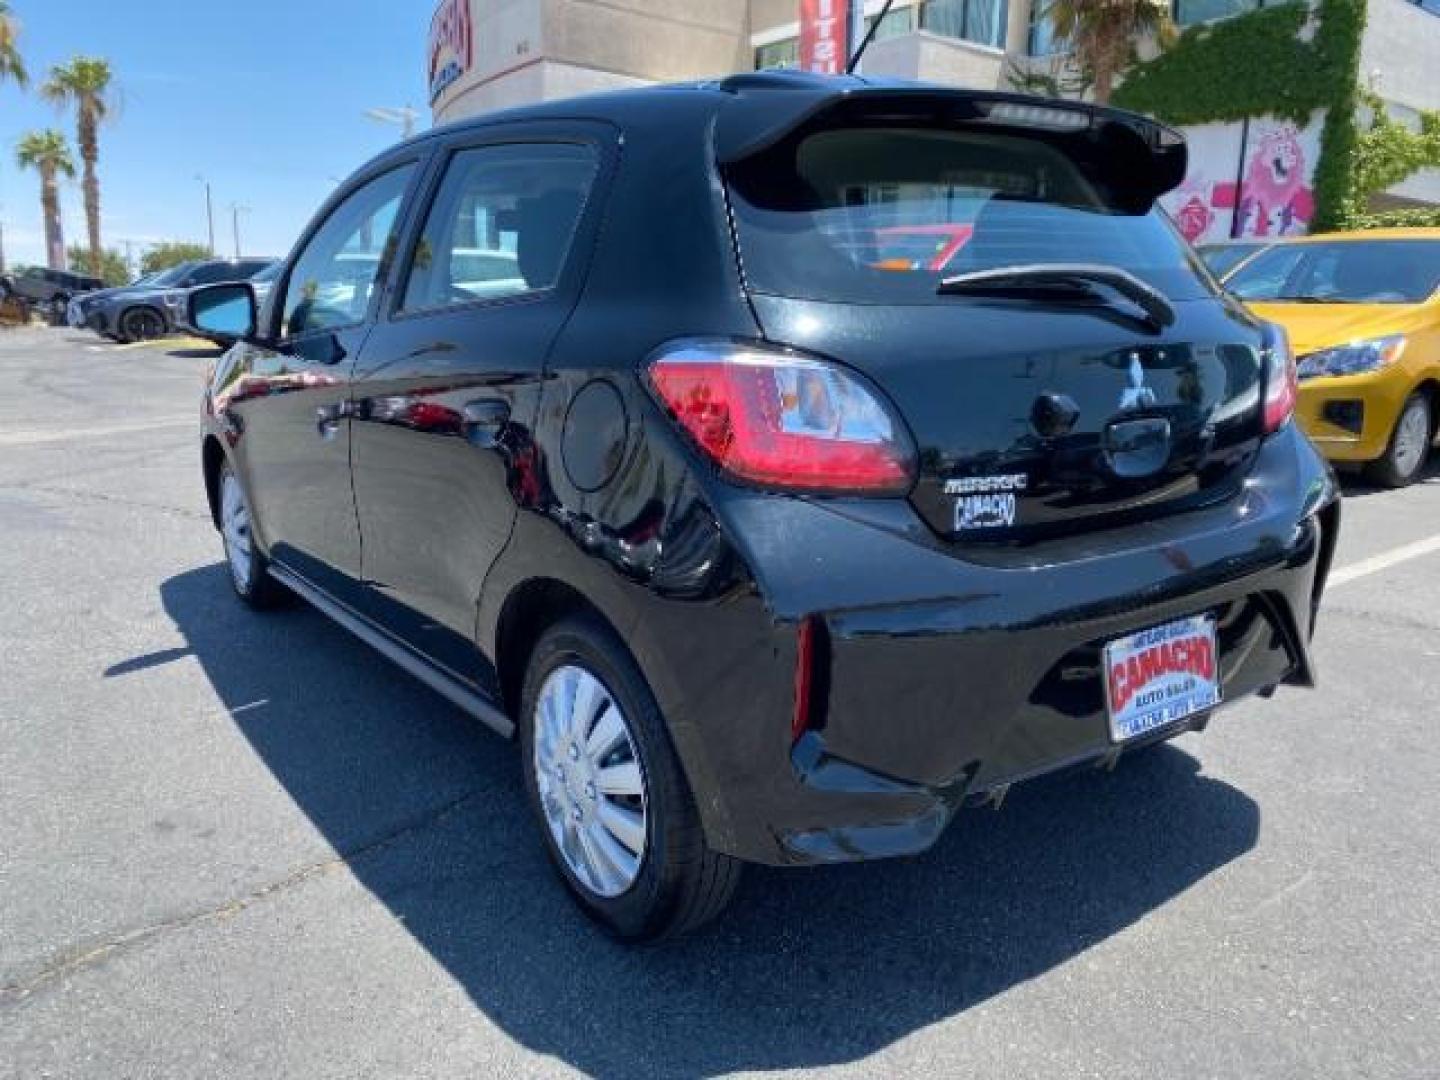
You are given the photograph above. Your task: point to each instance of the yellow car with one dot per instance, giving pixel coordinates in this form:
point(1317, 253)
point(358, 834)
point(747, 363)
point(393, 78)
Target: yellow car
point(1362, 311)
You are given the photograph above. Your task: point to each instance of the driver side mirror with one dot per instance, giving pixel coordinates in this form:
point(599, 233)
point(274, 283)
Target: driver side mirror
point(224, 311)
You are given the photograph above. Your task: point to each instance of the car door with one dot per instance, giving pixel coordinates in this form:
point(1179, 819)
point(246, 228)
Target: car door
point(447, 386)
point(296, 403)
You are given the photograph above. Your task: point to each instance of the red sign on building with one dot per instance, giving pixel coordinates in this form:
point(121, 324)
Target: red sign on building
point(452, 45)
point(823, 36)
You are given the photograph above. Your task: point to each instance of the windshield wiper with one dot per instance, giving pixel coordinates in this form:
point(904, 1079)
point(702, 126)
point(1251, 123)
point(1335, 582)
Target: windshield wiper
point(1049, 279)
point(1307, 300)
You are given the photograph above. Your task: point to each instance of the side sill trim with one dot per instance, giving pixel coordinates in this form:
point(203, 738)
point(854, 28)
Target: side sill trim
point(464, 698)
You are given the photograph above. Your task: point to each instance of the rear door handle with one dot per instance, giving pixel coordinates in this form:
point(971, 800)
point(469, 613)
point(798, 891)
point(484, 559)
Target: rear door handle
point(485, 420)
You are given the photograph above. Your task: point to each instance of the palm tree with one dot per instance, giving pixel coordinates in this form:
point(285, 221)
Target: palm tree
point(48, 153)
point(83, 83)
point(11, 65)
point(1102, 34)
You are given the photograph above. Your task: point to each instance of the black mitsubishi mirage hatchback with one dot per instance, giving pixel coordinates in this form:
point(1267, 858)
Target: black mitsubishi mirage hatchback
point(786, 461)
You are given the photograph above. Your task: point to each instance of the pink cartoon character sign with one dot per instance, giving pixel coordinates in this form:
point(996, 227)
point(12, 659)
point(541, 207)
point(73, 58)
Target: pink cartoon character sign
point(1273, 193)
point(1275, 196)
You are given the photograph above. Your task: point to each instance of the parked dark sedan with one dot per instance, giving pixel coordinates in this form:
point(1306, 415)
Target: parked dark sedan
point(155, 306)
point(766, 549)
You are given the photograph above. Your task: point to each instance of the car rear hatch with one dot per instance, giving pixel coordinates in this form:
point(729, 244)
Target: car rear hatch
point(1099, 379)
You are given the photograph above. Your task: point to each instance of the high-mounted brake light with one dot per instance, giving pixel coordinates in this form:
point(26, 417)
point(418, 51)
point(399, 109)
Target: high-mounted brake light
point(780, 419)
point(1039, 116)
point(1282, 384)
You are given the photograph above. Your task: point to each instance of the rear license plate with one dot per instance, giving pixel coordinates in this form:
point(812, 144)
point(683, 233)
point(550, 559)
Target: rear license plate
point(1160, 676)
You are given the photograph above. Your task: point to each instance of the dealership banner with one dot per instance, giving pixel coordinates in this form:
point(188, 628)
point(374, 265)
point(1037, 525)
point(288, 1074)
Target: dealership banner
point(452, 45)
point(823, 35)
point(1255, 178)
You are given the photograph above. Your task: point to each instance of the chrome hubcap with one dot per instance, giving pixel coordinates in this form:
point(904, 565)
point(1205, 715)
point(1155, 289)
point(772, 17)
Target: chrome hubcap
point(1412, 437)
point(235, 528)
point(592, 788)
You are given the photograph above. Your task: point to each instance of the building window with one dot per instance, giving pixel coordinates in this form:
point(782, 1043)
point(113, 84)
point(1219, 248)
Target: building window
point(1432, 6)
point(1042, 31)
point(1190, 12)
point(778, 54)
point(980, 21)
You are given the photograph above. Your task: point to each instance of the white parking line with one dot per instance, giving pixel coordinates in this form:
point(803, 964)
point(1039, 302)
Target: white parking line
point(35, 438)
point(1384, 561)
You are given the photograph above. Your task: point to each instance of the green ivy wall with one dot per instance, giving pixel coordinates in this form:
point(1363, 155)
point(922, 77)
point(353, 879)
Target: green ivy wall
point(1259, 63)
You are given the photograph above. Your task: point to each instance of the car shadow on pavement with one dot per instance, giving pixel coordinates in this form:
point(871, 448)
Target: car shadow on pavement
point(1355, 485)
point(808, 968)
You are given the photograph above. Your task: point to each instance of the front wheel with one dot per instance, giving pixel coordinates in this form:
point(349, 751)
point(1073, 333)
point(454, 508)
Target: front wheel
point(615, 811)
point(141, 324)
point(1404, 457)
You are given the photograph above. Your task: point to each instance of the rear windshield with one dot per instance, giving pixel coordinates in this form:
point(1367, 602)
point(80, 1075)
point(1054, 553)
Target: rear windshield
point(1342, 272)
point(883, 215)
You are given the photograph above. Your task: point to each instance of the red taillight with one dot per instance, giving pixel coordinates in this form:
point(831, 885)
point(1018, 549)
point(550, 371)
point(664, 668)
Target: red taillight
point(1282, 384)
point(783, 420)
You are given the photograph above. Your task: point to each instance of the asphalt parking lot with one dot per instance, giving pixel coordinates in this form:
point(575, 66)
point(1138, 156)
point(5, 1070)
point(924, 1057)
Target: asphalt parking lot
point(243, 845)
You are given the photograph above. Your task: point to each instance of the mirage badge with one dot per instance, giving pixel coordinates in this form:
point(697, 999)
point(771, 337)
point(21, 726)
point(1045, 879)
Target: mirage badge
point(985, 502)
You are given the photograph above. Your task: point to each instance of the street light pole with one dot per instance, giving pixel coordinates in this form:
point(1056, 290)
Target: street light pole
point(209, 213)
point(235, 211)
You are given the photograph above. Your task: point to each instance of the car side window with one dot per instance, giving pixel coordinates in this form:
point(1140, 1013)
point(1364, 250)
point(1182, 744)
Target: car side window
point(501, 223)
point(333, 279)
point(211, 274)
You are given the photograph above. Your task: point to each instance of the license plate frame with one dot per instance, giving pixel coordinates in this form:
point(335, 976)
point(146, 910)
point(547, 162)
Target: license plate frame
point(1175, 675)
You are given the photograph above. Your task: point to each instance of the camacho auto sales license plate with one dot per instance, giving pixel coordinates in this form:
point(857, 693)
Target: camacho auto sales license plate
point(1161, 675)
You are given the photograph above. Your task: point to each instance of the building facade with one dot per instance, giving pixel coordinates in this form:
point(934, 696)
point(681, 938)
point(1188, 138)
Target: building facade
point(490, 54)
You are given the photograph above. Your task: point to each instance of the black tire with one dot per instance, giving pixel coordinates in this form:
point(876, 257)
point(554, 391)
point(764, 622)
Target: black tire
point(140, 324)
point(249, 572)
point(681, 883)
point(1399, 467)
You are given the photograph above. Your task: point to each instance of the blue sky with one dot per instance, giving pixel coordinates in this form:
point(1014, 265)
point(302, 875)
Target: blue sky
point(264, 97)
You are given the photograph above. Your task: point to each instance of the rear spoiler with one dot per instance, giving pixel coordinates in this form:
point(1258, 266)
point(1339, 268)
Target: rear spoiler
point(767, 107)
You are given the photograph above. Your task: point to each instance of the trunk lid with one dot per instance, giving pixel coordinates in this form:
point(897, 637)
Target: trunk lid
point(1029, 421)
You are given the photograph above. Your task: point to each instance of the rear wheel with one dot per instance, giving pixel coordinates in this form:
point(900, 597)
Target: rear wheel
point(616, 814)
point(1404, 458)
point(249, 572)
point(141, 324)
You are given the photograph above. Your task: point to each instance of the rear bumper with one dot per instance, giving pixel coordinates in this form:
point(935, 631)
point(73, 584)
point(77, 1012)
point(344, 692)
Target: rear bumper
point(941, 681)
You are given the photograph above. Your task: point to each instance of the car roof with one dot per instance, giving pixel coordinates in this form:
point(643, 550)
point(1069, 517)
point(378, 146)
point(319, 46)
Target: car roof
point(760, 107)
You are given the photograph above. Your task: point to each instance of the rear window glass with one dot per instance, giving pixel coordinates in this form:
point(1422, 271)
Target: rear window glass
point(883, 215)
point(1342, 272)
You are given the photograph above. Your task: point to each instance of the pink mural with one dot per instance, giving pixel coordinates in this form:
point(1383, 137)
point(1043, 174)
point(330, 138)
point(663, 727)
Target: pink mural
point(1274, 195)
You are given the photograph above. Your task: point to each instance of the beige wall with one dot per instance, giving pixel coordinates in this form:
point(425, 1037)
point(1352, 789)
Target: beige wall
point(936, 59)
point(529, 50)
point(1400, 53)
point(662, 40)
point(768, 14)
